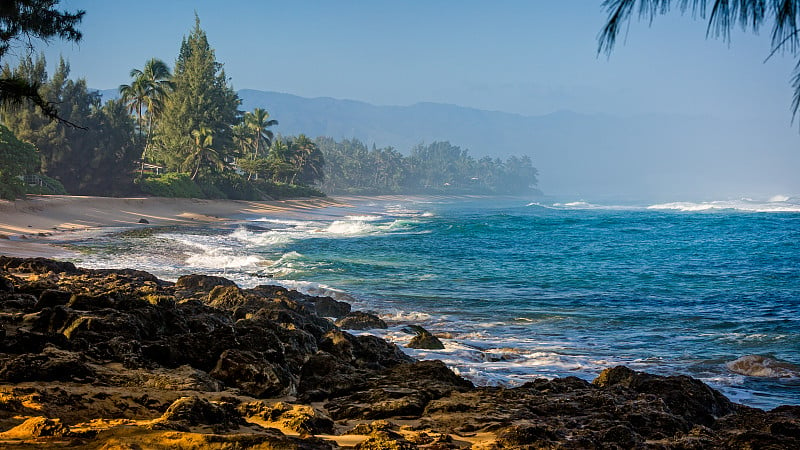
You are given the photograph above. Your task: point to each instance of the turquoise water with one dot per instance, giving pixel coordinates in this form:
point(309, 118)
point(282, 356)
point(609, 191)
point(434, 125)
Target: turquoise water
point(524, 289)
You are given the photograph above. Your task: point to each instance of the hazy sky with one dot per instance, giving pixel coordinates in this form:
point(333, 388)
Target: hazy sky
point(527, 57)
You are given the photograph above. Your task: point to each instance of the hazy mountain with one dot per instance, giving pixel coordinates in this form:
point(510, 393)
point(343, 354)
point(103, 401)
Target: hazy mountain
point(579, 156)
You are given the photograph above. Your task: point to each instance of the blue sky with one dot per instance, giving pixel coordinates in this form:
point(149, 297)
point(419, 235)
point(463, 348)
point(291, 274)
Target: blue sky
point(528, 57)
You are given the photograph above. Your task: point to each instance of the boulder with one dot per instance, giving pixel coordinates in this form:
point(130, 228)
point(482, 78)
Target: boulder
point(328, 307)
point(195, 411)
point(685, 396)
point(6, 285)
point(358, 320)
point(36, 427)
point(253, 375)
point(53, 297)
point(424, 339)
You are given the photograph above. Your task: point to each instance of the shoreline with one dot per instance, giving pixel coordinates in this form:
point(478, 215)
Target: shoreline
point(27, 225)
point(126, 358)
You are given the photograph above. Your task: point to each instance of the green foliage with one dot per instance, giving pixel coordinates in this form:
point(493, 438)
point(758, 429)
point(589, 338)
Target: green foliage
point(17, 159)
point(201, 99)
point(96, 160)
point(25, 20)
point(436, 168)
point(49, 186)
point(171, 184)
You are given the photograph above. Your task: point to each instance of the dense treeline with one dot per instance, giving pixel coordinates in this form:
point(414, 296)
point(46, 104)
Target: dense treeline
point(436, 168)
point(88, 156)
point(179, 132)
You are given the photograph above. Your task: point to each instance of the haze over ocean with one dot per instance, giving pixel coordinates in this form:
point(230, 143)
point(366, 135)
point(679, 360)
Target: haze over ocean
point(525, 289)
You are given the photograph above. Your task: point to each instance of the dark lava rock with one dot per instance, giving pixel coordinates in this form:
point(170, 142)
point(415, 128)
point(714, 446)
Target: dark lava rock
point(194, 411)
point(424, 339)
point(328, 307)
point(51, 365)
point(253, 375)
point(685, 396)
point(143, 220)
point(87, 302)
point(401, 391)
point(358, 320)
point(226, 296)
point(385, 440)
point(52, 297)
point(202, 282)
point(6, 285)
point(36, 265)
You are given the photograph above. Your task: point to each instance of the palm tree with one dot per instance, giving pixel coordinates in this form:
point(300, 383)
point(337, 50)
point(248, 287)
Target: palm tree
point(146, 95)
point(307, 160)
point(279, 160)
point(258, 123)
point(135, 97)
point(202, 152)
point(158, 84)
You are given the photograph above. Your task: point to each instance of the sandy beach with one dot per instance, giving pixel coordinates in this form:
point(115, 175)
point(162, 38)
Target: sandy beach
point(26, 225)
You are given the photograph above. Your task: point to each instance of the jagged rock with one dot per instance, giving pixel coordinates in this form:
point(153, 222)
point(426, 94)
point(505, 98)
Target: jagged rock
point(685, 396)
point(253, 375)
point(532, 436)
point(51, 365)
point(328, 307)
point(196, 282)
point(87, 302)
point(302, 419)
point(22, 302)
point(324, 375)
point(375, 425)
point(36, 265)
point(36, 427)
point(65, 330)
point(53, 297)
point(193, 411)
point(6, 285)
point(385, 440)
point(401, 391)
point(424, 339)
point(358, 320)
point(226, 297)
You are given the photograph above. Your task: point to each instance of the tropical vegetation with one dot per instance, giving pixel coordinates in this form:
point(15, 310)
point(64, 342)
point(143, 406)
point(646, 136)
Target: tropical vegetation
point(178, 131)
point(435, 168)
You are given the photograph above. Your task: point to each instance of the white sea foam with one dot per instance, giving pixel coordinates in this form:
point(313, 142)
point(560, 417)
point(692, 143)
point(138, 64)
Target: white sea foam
point(267, 238)
point(293, 223)
point(221, 260)
point(348, 227)
point(776, 206)
point(363, 218)
point(778, 198)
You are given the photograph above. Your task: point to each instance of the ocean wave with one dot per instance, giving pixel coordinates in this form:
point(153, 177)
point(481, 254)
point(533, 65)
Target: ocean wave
point(763, 366)
point(219, 259)
point(293, 223)
point(777, 204)
point(349, 227)
point(364, 218)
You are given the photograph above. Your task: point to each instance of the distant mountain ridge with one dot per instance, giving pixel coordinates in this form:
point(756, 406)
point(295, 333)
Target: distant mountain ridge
point(580, 156)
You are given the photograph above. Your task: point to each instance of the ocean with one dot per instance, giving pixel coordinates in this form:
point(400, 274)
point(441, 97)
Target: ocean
point(520, 289)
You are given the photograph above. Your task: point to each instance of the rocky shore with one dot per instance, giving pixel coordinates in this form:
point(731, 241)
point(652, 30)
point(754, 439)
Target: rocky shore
point(121, 359)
